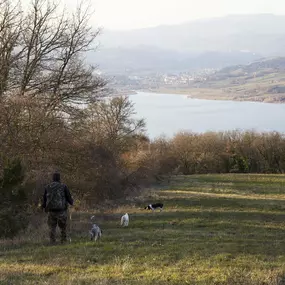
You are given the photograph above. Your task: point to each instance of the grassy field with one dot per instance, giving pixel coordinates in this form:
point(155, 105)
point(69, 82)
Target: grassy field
point(215, 229)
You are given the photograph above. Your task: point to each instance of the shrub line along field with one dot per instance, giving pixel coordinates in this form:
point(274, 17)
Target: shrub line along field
point(214, 229)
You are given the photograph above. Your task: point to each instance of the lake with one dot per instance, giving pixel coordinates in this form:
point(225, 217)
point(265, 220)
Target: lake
point(168, 114)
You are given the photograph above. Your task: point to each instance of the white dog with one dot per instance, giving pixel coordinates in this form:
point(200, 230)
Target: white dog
point(125, 220)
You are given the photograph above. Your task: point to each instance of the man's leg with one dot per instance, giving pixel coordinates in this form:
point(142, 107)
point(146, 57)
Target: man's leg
point(62, 223)
point(52, 223)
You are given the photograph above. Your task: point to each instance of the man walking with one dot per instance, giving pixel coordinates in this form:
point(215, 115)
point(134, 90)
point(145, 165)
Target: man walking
point(55, 202)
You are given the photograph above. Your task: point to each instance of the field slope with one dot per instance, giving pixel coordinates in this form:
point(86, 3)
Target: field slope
point(215, 229)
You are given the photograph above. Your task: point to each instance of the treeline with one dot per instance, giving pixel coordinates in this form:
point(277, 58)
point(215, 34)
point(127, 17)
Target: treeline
point(222, 152)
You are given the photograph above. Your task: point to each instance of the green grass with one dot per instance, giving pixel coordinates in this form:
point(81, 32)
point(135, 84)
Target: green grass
point(215, 229)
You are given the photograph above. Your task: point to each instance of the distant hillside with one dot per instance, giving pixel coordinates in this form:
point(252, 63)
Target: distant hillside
point(262, 80)
point(263, 34)
point(149, 59)
point(258, 68)
point(211, 43)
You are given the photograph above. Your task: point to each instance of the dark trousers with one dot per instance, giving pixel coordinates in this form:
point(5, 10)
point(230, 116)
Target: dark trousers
point(57, 219)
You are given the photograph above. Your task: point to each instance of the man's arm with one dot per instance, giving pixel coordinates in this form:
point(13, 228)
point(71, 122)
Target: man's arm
point(68, 195)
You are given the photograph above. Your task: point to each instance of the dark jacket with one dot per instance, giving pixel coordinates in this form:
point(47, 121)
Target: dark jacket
point(67, 196)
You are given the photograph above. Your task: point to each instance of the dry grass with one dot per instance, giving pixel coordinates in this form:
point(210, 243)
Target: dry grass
point(215, 229)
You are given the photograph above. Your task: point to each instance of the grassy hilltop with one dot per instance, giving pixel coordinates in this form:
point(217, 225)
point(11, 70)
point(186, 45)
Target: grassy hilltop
point(215, 229)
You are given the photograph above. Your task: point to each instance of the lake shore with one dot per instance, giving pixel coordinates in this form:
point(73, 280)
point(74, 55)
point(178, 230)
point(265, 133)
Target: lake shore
point(214, 94)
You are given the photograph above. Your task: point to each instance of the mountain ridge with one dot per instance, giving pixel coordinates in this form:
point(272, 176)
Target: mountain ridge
point(180, 47)
point(179, 37)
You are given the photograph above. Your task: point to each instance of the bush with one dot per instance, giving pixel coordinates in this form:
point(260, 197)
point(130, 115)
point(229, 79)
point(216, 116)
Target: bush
point(13, 200)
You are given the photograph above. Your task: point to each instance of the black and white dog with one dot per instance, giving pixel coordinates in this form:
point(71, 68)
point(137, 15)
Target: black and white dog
point(155, 206)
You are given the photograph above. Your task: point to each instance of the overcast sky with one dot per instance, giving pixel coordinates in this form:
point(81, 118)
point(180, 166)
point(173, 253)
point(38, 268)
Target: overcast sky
point(130, 14)
point(133, 14)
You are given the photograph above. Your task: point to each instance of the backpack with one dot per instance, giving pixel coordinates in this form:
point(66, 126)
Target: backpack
point(56, 199)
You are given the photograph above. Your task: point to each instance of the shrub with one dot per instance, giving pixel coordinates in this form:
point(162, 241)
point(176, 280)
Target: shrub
point(13, 200)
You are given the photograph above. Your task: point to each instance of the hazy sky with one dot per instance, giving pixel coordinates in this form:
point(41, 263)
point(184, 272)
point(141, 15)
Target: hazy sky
point(130, 14)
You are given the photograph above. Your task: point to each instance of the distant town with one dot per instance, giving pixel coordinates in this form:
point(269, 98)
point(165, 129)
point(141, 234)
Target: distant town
point(150, 81)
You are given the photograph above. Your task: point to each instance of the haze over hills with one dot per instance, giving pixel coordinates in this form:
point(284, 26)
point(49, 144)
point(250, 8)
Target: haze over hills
point(210, 43)
point(236, 32)
point(148, 59)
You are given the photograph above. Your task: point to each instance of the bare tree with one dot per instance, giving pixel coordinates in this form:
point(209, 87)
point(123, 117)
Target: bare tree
point(10, 32)
point(114, 120)
point(42, 55)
